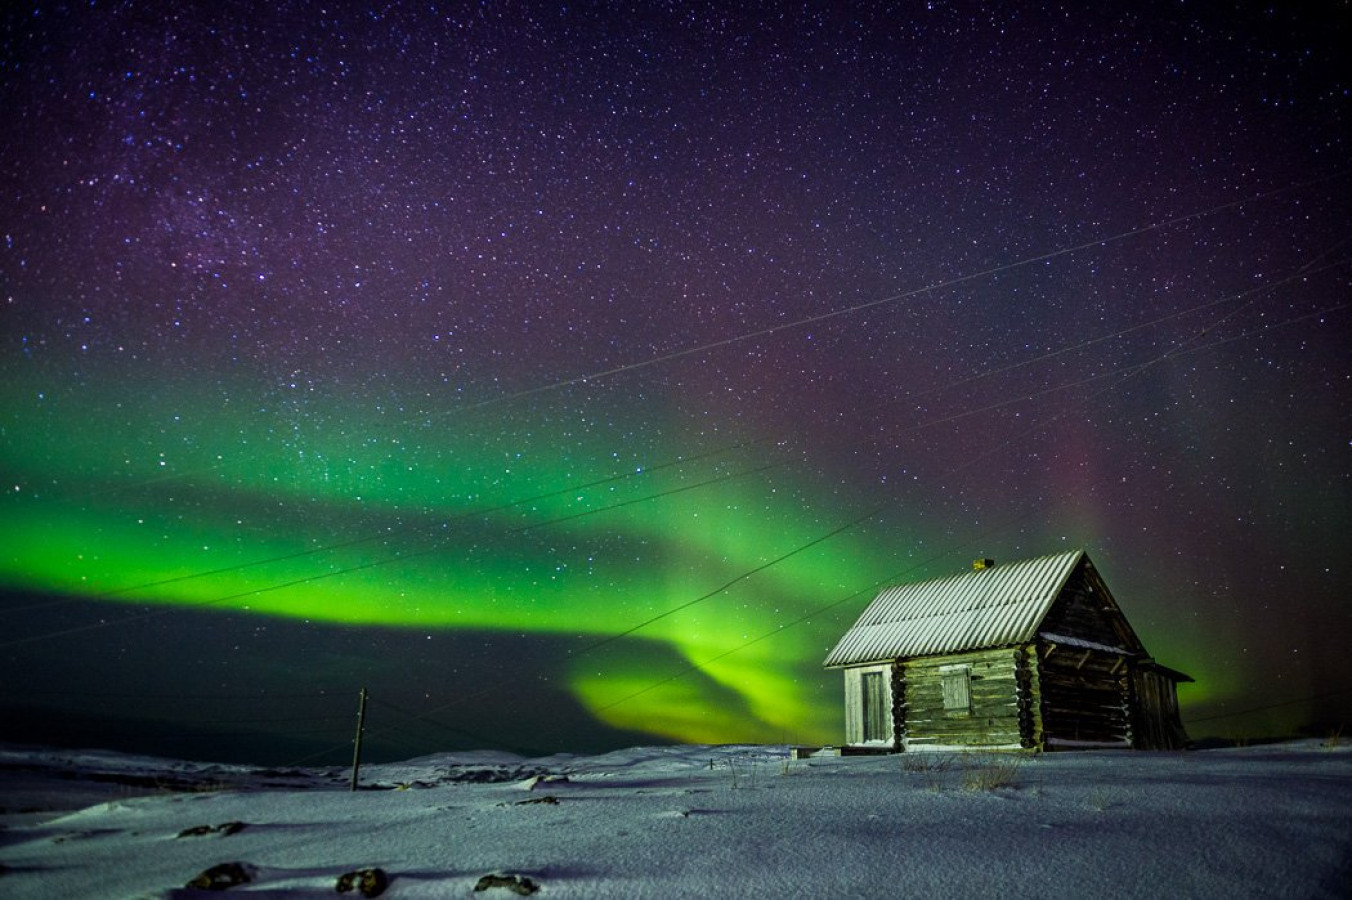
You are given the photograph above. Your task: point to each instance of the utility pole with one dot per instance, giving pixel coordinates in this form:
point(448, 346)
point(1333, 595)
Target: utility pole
point(361, 726)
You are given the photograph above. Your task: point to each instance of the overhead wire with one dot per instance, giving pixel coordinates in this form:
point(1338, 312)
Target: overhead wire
point(388, 534)
point(452, 729)
point(866, 591)
point(1128, 371)
point(592, 377)
point(596, 645)
point(347, 570)
point(1271, 706)
point(1127, 374)
point(893, 298)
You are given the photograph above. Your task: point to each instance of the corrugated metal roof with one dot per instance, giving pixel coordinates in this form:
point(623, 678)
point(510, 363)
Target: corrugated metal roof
point(986, 608)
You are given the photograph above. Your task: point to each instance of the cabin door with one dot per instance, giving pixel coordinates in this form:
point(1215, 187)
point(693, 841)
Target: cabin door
point(875, 707)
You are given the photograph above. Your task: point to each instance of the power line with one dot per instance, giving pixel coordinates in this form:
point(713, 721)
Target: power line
point(1126, 374)
point(801, 548)
point(1125, 371)
point(1249, 296)
point(937, 286)
point(318, 694)
point(1129, 373)
point(458, 732)
point(1038, 426)
point(862, 592)
point(386, 535)
point(310, 579)
point(850, 310)
point(1270, 706)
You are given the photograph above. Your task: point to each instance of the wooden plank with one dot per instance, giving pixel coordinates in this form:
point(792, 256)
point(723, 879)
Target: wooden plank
point(992, 717)
point(1086, 701)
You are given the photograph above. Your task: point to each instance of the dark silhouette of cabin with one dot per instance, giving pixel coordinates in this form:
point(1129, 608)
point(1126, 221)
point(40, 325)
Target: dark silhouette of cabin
point(1028, 655)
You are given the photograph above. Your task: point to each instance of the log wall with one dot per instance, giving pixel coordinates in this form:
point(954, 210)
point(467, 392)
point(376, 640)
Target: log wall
point(993, 717)
point(898, 705)
point(1030, 697)
point(1085, 696)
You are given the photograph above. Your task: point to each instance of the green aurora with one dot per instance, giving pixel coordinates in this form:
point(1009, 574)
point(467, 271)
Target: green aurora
point(433, 528)
point(576, 377)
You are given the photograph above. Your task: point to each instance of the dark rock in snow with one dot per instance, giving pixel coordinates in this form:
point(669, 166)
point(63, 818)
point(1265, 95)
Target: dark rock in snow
point(535, 781)
point(223, 877)
point(490, 774)
point(517, 884)
point(223, 828)
point(368, 882)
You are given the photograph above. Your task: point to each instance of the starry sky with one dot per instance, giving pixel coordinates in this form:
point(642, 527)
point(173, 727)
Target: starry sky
point(570, 376)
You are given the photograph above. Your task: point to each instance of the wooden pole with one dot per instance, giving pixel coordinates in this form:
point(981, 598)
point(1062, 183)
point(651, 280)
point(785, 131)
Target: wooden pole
point(361, 726)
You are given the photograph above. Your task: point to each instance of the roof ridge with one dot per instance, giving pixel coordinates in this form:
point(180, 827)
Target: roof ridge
point(998, 567)
point(1000, 605)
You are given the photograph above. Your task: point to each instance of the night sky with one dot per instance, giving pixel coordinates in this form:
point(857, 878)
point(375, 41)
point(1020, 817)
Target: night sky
point(571, 376)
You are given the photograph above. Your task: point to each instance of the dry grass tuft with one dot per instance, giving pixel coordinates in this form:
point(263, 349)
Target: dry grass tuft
point(978, 771)
point(991, 774)
point(920, 761)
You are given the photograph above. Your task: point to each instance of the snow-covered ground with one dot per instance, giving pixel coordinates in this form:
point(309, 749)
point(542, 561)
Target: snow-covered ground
point(693, 821)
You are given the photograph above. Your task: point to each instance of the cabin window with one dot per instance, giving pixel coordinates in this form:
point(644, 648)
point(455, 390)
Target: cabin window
point(875, 707)
point(957, 684)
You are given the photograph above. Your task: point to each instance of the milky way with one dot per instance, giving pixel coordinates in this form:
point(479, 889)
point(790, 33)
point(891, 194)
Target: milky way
point(570, 377)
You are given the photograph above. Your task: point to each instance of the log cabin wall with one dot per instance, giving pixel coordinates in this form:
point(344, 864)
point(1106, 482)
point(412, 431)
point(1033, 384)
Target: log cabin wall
point(1085, 697)
point(963, 700)
point(1030, 697)
point(899, 730)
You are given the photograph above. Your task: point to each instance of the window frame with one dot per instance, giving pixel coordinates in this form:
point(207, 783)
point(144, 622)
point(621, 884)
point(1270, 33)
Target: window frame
point(955, 682)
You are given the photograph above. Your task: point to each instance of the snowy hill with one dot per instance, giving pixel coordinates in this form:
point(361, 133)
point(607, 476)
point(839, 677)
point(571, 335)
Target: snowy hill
point(692, 821)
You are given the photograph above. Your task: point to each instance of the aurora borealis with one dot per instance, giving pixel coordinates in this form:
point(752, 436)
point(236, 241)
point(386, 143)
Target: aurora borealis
point(571, 376)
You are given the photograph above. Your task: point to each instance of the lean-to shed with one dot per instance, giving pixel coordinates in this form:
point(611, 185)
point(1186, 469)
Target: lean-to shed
point(1033, 654)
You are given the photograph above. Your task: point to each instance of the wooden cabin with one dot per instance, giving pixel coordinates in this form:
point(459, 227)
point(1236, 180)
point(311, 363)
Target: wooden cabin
point(1032, 655)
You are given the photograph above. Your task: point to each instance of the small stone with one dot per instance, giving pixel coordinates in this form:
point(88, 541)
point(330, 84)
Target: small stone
point(517, 884)
point(223, 828)
point(222, 877)
point(367, 882)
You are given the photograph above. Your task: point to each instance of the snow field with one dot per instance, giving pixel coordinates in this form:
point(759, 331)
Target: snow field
point(664, 822)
